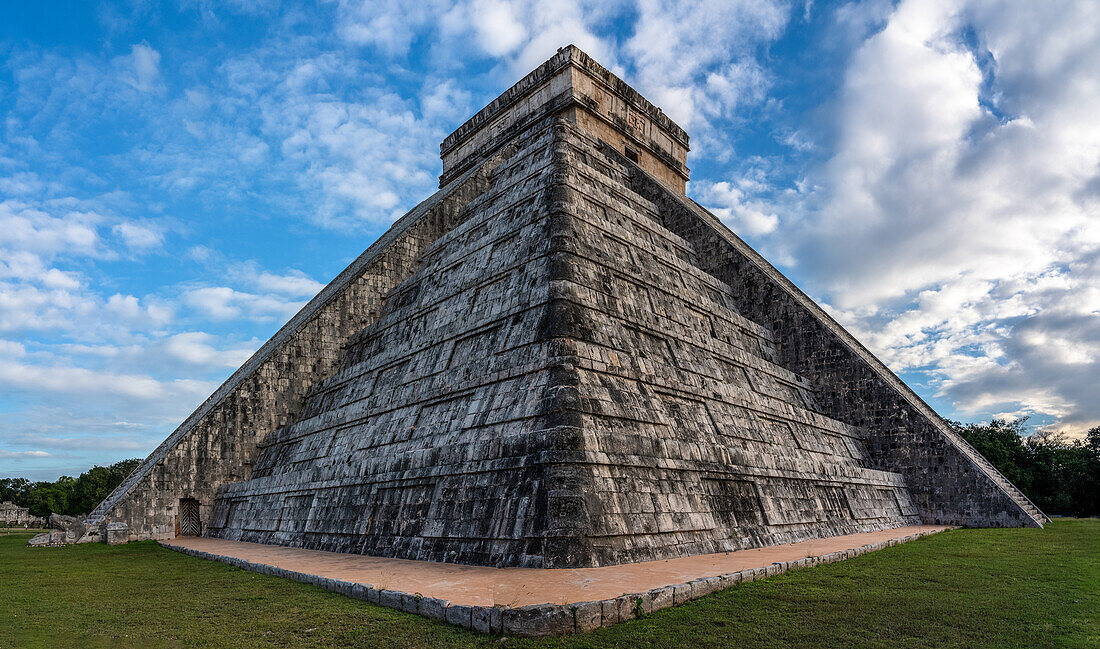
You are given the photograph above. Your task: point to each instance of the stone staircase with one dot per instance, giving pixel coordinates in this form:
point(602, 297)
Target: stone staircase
point(124, 487)
point(1004, 483)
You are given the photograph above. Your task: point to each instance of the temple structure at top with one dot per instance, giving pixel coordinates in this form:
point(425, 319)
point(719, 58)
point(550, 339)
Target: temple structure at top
point(573, 85)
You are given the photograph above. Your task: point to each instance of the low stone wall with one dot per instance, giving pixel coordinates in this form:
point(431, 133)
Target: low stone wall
point(546, 619)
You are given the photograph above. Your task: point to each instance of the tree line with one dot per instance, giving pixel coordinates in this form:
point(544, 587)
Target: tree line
point(67, 495)
point(1061, 477)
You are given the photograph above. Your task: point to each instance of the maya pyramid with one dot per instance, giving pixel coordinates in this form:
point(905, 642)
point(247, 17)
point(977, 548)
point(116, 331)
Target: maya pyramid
point(560, 360)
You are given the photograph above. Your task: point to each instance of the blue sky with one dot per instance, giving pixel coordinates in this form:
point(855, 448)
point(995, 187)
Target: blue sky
point(177, 179)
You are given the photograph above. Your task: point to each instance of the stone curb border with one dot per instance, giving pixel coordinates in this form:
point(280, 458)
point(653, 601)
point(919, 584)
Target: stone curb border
point(547, 619)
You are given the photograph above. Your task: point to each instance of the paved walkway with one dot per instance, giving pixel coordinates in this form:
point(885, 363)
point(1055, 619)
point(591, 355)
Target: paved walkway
point(512, 587)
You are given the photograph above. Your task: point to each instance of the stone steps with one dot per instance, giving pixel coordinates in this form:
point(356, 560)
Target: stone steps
point(1007, 485)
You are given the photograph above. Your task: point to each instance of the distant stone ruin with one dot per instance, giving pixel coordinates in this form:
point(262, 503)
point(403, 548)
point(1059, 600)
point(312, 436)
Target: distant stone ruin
point(12, 515)
point(559, 360)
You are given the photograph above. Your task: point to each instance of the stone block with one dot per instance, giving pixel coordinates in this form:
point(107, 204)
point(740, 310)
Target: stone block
point(486, 619)
point(538, 620)
point(587, 616)
point(706, 586)
point(434, 608)
point(410, 603)
point(682, 593)
point(609, 612)
point(118, 533)
point(358, 591)
point(390, 599)
point(629, 607)
point(658, 598)
point(460, 615)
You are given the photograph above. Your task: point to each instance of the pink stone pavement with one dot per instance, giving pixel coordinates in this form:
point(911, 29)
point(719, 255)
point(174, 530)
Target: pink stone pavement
point(513, 587)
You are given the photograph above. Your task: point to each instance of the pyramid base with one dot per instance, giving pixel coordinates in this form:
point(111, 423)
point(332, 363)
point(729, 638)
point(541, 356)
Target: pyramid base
point(499, 600)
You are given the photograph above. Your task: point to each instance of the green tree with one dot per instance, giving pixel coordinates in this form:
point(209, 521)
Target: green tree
point(67, 495)
point(88, 490)
point(48, 497)
point(15, 490)
point(1002, 443)
point(96, 484)
point(123, 468)
point(1058, 475)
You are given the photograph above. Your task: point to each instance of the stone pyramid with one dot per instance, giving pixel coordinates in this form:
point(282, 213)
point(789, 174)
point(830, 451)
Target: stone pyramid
point(560, 360)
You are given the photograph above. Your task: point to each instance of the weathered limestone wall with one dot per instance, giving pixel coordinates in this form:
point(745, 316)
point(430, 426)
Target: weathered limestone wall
point(949, 481)
point(426, 443)
point(558, 385)
point(658, 167)
point(694, 439)
point(530, 100)
point(217, 444)
point(573, 84)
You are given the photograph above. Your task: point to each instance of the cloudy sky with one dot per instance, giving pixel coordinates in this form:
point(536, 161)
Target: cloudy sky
point(177, 179)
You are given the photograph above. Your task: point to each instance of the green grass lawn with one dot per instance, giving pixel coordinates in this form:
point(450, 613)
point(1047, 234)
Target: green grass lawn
point(964, 588)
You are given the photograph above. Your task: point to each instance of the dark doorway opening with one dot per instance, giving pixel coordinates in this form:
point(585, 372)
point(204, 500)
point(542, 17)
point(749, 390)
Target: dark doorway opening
point(190, 525)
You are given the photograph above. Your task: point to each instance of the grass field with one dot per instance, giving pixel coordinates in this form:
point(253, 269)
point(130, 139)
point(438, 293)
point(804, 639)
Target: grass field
point(964, 588)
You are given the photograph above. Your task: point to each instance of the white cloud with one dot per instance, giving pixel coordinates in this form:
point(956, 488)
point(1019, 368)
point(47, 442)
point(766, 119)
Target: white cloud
point(704, 64)
point(139, 236)
point(294, 283)
point(77, 380)
point(551, 25)
point(24, 183)
point(19, 455)
point(129, 310)
point(201, 254)
point(11, 349)
point(727, 89)
point(29, 267)
point(197, 348)
point(444, 101)
point(365, 156)
point(224, 303)
point(98, 443)
point(388, 25)
point(498, 28)
point(38, 237)
point(729, 203)
point(28, 228)
point(142, 69)
point(954, 223)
